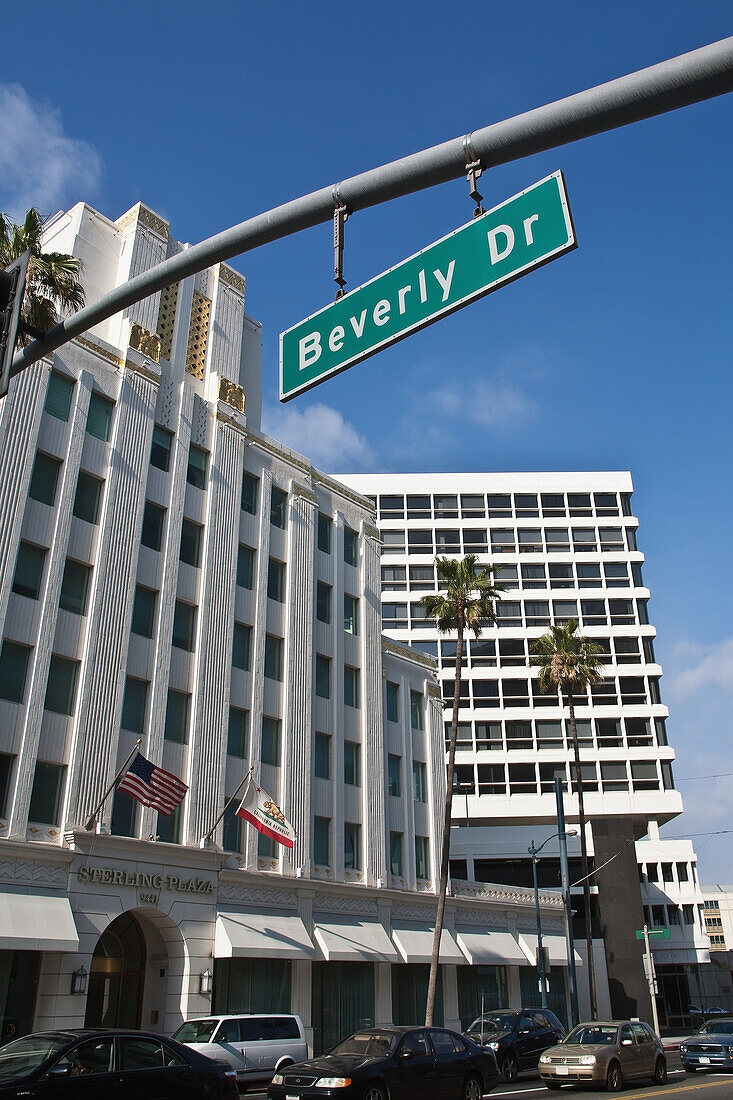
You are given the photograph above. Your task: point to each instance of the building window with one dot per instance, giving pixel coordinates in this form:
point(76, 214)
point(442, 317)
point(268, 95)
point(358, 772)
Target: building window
point(143, 611)
point(245, 566)
point(614, 776)
point(276, 580)
point(688, 914)
point(237, 733)
point(422, 863)
point(419, 781)
point(416, 710)
point(29, 570)
point(394, 775)
point(682, 873)
point(58, 396)
point(13, 669)
point(48, 782)
point(273, 657)
point(352, 846)
point(61, 685)
point(351, 686)
point(351, 547)
point(99, 417)
point(352, 764)
point(325, 527)
point(6, 764)
point(242, 647)
point(323, 602)
point(176, 717)
point(88, 497)
point(270, 751)
point(75, 587)
point(184, 625)
point(196, 470)
point(393, 702)
point(267, 848)
point(250, 489)
point(134, 704)
point(231, 837)
point(44, 478)
point(190, 550)
point(123, 815)
point(321, 836)
point(160, 449)
point(351, 614)
point(278, 507)
point(322, 756)
point(152, 530)
point(395, 853)
point(323, 676)
point(168, 829)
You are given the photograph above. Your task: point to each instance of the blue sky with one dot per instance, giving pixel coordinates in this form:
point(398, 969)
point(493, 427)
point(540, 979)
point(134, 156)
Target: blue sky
point(615, 357)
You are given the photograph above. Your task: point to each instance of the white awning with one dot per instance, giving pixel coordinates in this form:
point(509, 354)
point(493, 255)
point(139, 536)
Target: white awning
point(33, 922)
point(484, 948)
point(415, 943)
point(349, 939)
point(261, 935)
point(555, 945)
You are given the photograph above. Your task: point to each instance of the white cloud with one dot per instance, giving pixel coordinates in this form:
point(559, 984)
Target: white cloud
point(321, 434)
point(711, 666)
point(39, 164)
point(490, 405)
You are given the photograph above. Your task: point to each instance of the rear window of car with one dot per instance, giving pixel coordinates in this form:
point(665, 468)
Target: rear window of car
point(442, 1042)
point(196, 1031)
point(285, 1027)
point(257, 1029)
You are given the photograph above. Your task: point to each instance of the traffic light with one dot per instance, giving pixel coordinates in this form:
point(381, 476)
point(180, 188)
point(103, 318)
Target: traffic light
point(12, 288)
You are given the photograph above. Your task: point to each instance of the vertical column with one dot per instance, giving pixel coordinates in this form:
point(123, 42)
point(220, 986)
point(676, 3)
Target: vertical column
point(372, 723)
point(100, 694)
point(297, 742)
point(436, 746)
point(213, 670)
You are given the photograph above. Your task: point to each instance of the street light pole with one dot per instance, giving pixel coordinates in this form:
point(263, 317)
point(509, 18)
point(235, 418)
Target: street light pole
point(565, 887)
point(540, 950)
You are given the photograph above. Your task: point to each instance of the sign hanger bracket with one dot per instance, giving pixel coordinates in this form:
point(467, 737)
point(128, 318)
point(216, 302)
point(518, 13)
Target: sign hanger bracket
point(474, 169)
point(340, 217)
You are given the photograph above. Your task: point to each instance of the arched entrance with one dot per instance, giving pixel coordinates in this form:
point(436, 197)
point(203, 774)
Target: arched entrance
point(117, 976)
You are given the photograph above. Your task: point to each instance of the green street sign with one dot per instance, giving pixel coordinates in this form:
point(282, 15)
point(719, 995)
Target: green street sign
point(515, 237)
point(653, 933)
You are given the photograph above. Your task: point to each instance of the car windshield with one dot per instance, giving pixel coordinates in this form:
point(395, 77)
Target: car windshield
point(494, 1021)
point(196, 1031)
point(26, 1055)
point(592, 1034)
point(716, 1027)
point(367, 1044)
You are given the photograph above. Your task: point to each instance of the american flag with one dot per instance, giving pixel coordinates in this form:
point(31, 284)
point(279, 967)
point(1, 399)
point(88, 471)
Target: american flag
point(153, 786)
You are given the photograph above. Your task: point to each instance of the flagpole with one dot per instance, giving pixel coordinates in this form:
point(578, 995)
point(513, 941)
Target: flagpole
point(93, 817)
point(247, 778)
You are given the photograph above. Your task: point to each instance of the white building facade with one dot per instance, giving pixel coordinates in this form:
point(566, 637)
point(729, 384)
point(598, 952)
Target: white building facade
point(564, 546)
point(174, 578)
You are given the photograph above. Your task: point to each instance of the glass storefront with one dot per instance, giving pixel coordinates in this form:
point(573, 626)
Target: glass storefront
point(530, 990)
point(480, 989)
point(252, 985)
point(410, 994)
point(18, 987)
point(342, 1001)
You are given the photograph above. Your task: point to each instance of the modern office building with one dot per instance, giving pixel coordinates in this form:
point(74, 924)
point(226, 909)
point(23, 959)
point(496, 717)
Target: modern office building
point(172, 576)
point(564, 546)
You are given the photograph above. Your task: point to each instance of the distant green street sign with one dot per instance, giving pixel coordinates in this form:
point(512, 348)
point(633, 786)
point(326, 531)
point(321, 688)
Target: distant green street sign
point(517, 236)
point(653, 933)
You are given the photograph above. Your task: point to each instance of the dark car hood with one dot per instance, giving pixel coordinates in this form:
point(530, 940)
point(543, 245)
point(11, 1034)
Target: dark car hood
point(716, 1037)
point(334, 1065)
point(484, 1037)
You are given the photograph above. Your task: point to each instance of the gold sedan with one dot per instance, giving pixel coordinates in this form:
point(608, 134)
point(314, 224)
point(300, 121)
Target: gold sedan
point(605, 1053)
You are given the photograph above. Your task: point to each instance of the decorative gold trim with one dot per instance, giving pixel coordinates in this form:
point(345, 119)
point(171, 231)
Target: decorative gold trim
point(145, 216)
point(231, 394)
point(102, 352)
point(304, 492)
point(146, 373)
point(372, 532)
point(232, 278)
point(198, 335)
point(148, 343)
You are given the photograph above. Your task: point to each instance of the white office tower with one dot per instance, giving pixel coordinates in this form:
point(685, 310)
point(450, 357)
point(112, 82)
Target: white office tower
point(173, 577)
point(563, 546)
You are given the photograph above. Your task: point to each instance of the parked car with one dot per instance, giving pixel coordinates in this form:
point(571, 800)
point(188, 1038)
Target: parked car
point(516, 1038)
point(710, 1046)
point(401, 1063)
point(254, 1044)
point(80, 1064)
point(605, 1053)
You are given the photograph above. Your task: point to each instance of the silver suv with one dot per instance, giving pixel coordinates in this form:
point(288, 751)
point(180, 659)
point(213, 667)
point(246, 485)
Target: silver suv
point(257, 1046)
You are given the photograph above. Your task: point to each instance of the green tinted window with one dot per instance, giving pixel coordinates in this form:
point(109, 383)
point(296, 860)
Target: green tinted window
point(75, 587)
point(245, 566)
point(176, 717)
point(241, 648)
point(87, 498)
point(270, 753)
point(143, 611)
point(48, 783)
point(134, 703)
point(13, 668)
point(29, 570)
point(160, 449)
point(44, 478)
point(58, 396)
point(237, 733)
point(99, 417)
point(61, 685)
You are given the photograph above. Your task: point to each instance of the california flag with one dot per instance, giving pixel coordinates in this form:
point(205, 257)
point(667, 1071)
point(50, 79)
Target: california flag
point(264, 813)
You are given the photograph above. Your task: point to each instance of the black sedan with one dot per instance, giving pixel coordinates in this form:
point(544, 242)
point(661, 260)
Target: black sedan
point(396, 1062)
point(81, 1064)
point(517, 1038)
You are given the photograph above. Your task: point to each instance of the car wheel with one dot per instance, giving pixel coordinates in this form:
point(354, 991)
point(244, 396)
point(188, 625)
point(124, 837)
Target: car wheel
point(473, 1089)
point(509, 1067)
point(375, 1091)
point(614, 1078)
point(660, 1072)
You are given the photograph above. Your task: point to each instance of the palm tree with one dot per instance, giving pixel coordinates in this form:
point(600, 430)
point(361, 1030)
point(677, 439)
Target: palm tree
point(568, 663)
point(51, 285)
point(466, 602)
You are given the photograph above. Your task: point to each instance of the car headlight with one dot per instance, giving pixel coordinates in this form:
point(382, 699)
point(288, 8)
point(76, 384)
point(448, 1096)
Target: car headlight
point(683, 1048)
point(333, 1082)
point(729, 1050)
point(493, 1046)
point(277, 1079)
point(545, 1058)
point(588, 1060)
